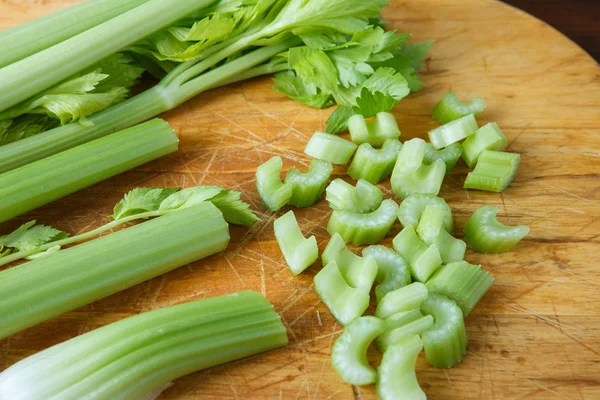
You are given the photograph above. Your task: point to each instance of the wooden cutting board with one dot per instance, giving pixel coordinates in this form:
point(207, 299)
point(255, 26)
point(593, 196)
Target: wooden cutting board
point(536, 334)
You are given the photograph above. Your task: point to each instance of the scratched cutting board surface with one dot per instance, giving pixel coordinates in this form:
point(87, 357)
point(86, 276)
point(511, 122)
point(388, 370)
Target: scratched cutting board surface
point(536, 334)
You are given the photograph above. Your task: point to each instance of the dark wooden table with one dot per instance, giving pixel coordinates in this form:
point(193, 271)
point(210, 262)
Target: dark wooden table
point(578, 19)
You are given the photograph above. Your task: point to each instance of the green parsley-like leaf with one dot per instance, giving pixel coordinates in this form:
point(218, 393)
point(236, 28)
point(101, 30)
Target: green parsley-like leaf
point(290, 85)
point(141, 200)
point(30, 236)
point(24, 126)
point(338, 120)
point(189, 196)
point(314, 67)
point(408, 60)
point(234, 210)
point(369, 103)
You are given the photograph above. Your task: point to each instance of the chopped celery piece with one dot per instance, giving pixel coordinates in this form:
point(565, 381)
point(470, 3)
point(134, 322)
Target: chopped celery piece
point(135, 358)
point(357, 271)
point(374, 165)
point(349, 353)
point(374, 132)
point(462, 282)
point(445, 343)
point(494, 172)
point(402, 318)
point(362, 198)
point(412, 207)
point(431, 231)
point(364, 228)
point(423, 260)
point(392, 271)
point(51, 178)
point(397, 376)
point(273, 193)
point(308, 187)
point(49, 286)
point(450, 108)
point(344, 302)
point(411, 176)
point(416, 327)
point(488, 137)
point(449, 155)
point(404, 299)
point(485, 234)
point(299, 252)
point(453, 132)
point(332, 148)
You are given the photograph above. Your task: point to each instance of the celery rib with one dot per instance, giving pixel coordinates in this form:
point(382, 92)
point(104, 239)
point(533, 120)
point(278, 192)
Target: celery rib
point(298, 251)
point(406, 298)
point(449, 155)
point(453, 132)
point(328, 147)
point(485, 234)
point(423, 260)
point(395, 335)
point(450, 108)
point(411, 209)
point(273, 193)
point(374, 165)
point(488, 137)
point(362, 198)
point(432, 232)
point(308, 187)
point(397, 377)
point(357, 271)
point(392, 271)
point(494, 172)
point(374, 132)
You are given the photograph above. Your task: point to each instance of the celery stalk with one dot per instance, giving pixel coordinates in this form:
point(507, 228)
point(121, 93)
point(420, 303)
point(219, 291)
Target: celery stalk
point(393, 336)
point(374, 132)
point(432, 232)
point(357, 271)
point(397, 377)
point(488, 137)
point(453, 132)
point(137, 356)
point(494, 172)
point(423, 260)
point(374, 165)
point(449, 155)
point(392, 271)
point(485, 234)
point(308, 187)
point(328, 147)
point(298, 251)
point(451, 108)
point(273, 193)
point(43, 181)
point(411, 209)
point(44, 288)
point(362, 198)
point(406, 298)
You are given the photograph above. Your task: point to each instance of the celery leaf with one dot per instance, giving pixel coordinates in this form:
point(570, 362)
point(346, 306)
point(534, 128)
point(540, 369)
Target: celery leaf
point(30, 236)
point(141, 200)
point(291, 85)
point(234, 210)
point(190, 196)
point(24, 126)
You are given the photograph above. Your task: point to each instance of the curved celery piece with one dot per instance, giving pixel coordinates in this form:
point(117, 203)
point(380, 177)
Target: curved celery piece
point(423, 260)
point(431, 231)
point(484, 234)
point(332, 148)
point(357, 271)
point(364, 228)
point(462, 282)
point(299, 252)
point(397, 377)
point(392, 271)
point(344, 302)
point(349, 353)
point(308, 187)
point(449, 155)
point(451, 108)
point(393, 336)
point(273, 193)
point(445, 343)
point(374, 165)
point(412, 207)
point(411, 176)
point(488, 137)
point(453, 132)
point(494, 172)
point(374, 132)
point(404, 299)
point(363, 198)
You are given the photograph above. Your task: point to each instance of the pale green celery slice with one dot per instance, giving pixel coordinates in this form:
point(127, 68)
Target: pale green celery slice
point(451, 108)
point(137, 356)
point(344, 302)
point(397, 377)
point(412, 207)
point(445, 343)
point(488, 137)
point(349, 353)
point(332, 148)
point(392, 270)
point(462, 282)
point(449, 155)
point(49, 286)
point(423, 260)
point(357, 271)
point(273, 193)
point(46, 180)
point(402, 318)
point(485, 234)
point(411, 176)
point(375, 131)
point(453, 132)
point(494, 172)
point(362, 198)
point(432, 232)
point(308, 187)
point(416, 327)
point(374, 165)
point(404, 299)
point(298, 251)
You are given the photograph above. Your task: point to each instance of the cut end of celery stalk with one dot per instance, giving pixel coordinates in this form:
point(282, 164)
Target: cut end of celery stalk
point(374, 165)
point(432, 232)
point(494, 172)
point(357, 271)
point(423, 260)
point(392, 270)
point(298, 251)
point(403, 299)
point(412, 207)
point(488, 137)
point(273, 193)
point(450, 108)
point(453, 132)
point(308, 187)
point(375, 131)
point(332, 148)
point(397, 377)
point(362, 198)
point(485, 234)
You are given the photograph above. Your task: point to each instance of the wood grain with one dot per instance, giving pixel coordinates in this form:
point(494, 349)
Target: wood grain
point(536, 334)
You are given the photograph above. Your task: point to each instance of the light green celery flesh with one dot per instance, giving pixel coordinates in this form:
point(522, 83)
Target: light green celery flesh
point(416, 327)
point(362, 198)
point(16, 42)
point(349, 353)
point(404, 299)
point(488, 137)
point(374, 165)
point(412, 207)
point(392, 270)
point(397, 376)
point(432, 232)
point(363, 229)
point(485, 234)
point(402, 318)
point(357, 271)
point(45, 180)
point(494, 172)
point(423, 260)
point(451, 108)
point(273, 193)
point(449, 155)
point(298, 251)
point(308, 187)
point(374, 132)
point(453, 132)
point(328, 147)
point(47, 287)
point(410, 176)
point(136, 356)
